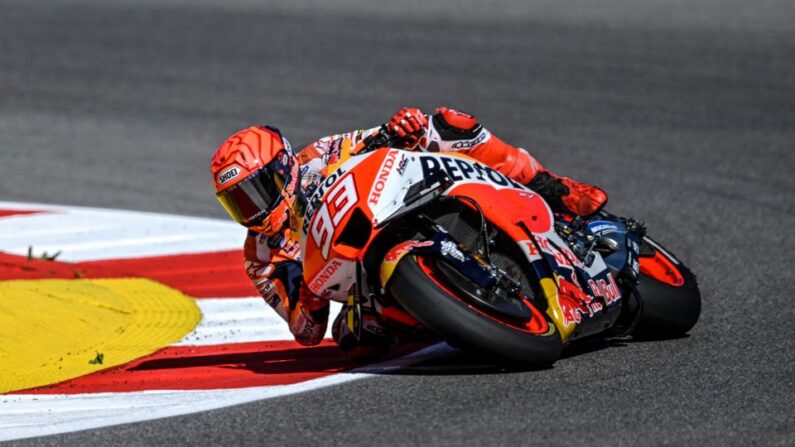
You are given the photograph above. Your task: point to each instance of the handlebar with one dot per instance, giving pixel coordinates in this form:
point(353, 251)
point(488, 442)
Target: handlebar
point(382, 138)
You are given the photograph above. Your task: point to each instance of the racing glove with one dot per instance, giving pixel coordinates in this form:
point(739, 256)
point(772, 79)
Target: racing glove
point(309, 318)
point(565, 195)
point(408, 125)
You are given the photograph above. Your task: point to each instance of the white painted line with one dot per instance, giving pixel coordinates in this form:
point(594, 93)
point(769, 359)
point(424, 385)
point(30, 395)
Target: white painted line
point(117, 244)
point(89, 234)
point(30, 415)
point(240, 320)
point(23, 234)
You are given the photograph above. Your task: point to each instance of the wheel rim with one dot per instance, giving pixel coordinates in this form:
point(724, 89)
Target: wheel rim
point(536, 324)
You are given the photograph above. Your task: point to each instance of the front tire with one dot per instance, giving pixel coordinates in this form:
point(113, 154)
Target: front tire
point(423, 294)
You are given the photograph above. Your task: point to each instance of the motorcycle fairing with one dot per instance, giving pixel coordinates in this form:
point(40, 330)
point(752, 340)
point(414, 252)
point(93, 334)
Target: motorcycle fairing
point(390, 176)
point(387, 177)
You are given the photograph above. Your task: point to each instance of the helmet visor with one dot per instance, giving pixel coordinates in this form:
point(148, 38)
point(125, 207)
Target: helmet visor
point(251, 200)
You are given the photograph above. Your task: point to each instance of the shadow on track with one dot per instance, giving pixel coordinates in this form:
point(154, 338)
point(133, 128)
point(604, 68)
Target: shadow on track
point(327, 358)
point(455, 362)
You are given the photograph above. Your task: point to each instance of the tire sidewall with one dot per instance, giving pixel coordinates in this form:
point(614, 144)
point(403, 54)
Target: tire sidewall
point(462, 325)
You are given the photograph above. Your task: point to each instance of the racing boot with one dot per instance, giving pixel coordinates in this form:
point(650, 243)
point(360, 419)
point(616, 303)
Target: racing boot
point(569, 196)
point(374, 341)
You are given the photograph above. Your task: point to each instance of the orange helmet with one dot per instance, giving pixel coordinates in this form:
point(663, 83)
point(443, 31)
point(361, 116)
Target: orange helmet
point(256, 175)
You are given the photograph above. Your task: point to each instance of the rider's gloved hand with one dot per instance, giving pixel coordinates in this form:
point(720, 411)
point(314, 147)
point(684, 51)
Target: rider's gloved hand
point(309, 318)
point(567, 195)
point(408, 124)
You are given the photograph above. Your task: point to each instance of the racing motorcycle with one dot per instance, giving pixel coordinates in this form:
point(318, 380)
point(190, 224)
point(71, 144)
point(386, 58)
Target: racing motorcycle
point(441, 242)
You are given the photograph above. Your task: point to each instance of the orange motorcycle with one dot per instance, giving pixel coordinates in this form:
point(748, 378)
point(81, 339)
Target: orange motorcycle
point(440, 241)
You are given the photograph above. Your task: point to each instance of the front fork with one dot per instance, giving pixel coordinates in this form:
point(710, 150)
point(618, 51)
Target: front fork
point(358, 297)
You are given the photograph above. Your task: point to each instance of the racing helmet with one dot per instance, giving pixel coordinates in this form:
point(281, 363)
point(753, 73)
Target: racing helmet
point(255, 173)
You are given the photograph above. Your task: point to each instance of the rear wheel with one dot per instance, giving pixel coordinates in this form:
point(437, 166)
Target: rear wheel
point(669, 292)
point(427, 292)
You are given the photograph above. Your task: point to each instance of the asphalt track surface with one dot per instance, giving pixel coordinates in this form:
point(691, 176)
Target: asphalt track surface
point(684, 112)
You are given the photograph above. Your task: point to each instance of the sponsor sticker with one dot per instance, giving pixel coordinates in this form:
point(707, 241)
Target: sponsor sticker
point(606, 289)
point(321, 279)
point(467, 144)
point(449, 248)
point(459, 169)
point(228, 175)
point(397, 252)
point(383, 174)
point(602, 227)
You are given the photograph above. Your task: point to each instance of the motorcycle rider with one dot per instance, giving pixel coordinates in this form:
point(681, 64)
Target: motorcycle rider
point(263, 185)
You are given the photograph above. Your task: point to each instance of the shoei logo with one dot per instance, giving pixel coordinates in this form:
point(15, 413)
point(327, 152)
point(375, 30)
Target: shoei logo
point(228, 175)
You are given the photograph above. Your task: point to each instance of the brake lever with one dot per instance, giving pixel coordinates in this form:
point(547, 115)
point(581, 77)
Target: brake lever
point(375, 141)
point(382, 138)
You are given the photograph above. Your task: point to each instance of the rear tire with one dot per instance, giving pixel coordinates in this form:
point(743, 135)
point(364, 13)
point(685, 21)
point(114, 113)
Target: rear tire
point(463, 325)
point(668, 310)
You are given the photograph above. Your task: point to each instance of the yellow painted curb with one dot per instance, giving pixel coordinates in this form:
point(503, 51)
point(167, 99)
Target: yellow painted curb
point(53, 330)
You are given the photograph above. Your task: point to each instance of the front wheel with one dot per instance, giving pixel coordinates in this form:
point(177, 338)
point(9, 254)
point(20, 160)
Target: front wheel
point(669, 292)
point(427, 294)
